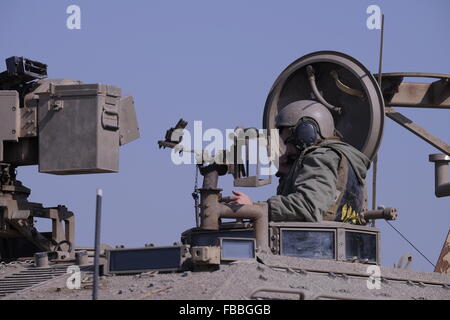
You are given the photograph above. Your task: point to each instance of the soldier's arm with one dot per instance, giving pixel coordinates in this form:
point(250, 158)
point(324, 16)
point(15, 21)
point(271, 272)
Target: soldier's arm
point(315, 189)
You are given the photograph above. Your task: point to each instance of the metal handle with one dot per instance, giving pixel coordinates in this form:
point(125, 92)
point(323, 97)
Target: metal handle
point(107, 126)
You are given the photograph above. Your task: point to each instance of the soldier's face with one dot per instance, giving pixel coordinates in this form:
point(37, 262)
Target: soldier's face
point(288, 152)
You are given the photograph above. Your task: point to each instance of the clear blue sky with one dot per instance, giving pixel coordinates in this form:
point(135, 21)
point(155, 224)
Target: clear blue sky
point(216, 61)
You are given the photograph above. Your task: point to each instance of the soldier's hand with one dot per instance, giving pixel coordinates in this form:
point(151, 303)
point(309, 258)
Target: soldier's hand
point(240, 198)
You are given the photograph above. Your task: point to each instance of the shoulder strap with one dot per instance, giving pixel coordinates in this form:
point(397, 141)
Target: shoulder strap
point(341, 184)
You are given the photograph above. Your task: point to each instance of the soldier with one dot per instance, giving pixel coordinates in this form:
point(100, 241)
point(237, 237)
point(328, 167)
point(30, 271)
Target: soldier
point(321, 177)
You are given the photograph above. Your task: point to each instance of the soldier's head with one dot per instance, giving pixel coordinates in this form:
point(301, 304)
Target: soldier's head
point(302, 123)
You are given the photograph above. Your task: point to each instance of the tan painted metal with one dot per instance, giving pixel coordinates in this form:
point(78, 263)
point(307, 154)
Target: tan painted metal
point(443, 263)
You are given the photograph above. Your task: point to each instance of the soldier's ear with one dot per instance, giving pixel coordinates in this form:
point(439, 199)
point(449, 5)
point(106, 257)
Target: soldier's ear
point(306, 133)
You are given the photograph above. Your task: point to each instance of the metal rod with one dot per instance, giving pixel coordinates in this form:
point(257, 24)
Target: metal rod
point(196, 195)
point(98, 215)
point(374, 182)
point(375, 160)
point(380, 62)
point(374, 187)
point(247, 156)
point(313, 85)
point(258, 167)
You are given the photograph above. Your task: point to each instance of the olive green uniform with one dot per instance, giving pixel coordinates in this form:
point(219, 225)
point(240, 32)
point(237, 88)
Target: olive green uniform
point(325, 183)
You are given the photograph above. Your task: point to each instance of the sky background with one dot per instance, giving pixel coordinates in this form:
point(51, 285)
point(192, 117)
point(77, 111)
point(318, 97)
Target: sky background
point(216, 61)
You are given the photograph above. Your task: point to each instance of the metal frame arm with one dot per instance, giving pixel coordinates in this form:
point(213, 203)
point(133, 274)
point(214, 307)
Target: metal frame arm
point(422, 133)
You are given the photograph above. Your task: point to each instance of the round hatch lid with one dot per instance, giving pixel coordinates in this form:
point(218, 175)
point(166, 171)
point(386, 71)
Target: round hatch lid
point(344, 83)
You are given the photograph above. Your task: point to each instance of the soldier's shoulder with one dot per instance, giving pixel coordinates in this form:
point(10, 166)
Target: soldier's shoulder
point(323, 151)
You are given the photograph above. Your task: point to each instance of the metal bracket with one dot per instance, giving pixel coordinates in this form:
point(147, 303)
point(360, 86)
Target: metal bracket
point(345, 88)
point(416, 95)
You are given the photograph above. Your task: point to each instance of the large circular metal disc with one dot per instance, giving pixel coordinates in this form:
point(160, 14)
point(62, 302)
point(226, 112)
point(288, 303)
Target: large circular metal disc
point(356, 92)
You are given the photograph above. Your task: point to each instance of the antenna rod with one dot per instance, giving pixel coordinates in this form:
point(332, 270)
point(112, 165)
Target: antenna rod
point(375, 160)
point(380, 64)
point(98, 215)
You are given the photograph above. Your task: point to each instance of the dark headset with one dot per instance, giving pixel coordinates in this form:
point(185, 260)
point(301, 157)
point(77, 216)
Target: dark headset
point(305, 133)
